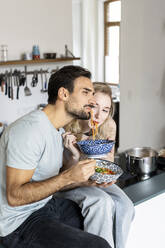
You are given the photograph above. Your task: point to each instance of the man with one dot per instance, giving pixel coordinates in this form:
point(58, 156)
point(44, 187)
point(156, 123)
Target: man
point(31, 152)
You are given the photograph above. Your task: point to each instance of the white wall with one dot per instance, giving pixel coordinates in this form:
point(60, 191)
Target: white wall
point(47, 23)
point(142, 74)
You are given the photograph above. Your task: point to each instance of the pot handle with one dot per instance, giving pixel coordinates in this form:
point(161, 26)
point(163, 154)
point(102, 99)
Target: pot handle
point(128, 166)
point(139, 158)
point(127, 162)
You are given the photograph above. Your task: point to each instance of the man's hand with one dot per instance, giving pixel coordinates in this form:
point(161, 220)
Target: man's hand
point(81, 172)
point(20, 190)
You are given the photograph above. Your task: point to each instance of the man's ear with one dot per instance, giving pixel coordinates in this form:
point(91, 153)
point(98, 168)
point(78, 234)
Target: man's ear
point(63, 94)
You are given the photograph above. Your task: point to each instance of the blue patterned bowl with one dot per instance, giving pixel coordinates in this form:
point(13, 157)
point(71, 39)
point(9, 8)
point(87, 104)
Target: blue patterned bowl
point(106, 178)
point(95, 147)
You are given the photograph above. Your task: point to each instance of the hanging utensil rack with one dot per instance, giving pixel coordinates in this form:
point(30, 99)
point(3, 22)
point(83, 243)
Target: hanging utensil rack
point(18, 78)
point(10, 77)
point(30, 72)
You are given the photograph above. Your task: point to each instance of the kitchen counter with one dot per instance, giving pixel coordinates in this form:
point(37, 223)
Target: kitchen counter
point(144, 190)
point(149, 199)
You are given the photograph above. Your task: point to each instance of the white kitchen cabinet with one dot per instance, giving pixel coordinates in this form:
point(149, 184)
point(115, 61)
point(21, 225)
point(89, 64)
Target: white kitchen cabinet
point(148, 227)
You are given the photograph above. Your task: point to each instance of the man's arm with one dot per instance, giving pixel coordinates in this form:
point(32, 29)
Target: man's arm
point(21, 191)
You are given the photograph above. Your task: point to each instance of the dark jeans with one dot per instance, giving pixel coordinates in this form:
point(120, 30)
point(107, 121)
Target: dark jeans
point(56, 225)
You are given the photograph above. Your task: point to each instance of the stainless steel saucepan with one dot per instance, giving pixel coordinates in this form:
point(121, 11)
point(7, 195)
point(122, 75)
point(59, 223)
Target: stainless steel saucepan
point(141, 161)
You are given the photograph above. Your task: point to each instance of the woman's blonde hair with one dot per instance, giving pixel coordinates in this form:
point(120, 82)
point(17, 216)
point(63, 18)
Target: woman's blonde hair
point(75, 127)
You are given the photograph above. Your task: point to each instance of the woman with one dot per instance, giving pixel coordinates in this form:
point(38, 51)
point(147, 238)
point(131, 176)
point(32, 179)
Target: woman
point(107, 211)
point(102, 112)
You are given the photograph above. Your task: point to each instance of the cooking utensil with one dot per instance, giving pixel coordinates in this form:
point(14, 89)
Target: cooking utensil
point(46, 82)
point(18, 84)
point(2, 82)
point(42, 82)
point(27, 91)
point(6, 87)
point(11, 86)
point(34, 80)
point(141, 161)
point(22, 79)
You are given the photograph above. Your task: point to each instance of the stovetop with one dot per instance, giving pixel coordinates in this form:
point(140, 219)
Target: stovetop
point(128, 179)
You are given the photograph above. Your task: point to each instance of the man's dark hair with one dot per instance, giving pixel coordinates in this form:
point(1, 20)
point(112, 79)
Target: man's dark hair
point(65, 78)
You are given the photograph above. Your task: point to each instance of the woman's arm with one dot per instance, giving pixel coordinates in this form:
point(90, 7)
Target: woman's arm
point(68, 159)
point(71, 153)
point(111, 135)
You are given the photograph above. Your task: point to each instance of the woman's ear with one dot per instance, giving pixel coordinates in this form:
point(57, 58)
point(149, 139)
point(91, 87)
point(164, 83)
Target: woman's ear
point(63, 94)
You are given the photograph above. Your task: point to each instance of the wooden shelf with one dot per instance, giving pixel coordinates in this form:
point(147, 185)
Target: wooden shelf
point(37, 61)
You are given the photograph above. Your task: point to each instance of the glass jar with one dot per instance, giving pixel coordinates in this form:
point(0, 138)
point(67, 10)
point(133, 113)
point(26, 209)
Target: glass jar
point(36, 52)
point(4, 53)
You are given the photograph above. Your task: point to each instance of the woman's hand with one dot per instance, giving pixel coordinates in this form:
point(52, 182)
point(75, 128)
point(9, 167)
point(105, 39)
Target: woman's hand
point(105, 185)
point(69, 142)
point(91, 183)
point(110, 155)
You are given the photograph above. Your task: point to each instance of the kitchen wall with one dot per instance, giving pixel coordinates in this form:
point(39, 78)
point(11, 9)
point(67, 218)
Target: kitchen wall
point(142, 65)
point(142, 74)
point(47, 23)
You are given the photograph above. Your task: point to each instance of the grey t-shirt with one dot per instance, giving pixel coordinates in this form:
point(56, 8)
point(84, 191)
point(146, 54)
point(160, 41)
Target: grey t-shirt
point(31, 142)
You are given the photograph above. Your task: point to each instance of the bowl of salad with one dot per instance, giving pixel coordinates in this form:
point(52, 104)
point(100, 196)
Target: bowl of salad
point(106, 171)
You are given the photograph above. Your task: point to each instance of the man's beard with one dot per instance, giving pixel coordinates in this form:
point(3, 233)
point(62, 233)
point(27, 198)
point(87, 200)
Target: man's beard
point(77, 114)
